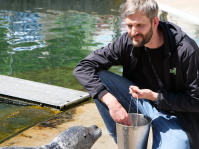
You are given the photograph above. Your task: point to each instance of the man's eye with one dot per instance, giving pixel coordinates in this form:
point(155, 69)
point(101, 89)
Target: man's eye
point(139, 25)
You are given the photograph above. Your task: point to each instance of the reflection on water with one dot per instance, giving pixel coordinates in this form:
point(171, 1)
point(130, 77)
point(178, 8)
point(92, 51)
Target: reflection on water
point(23, 30)
point(48, 35)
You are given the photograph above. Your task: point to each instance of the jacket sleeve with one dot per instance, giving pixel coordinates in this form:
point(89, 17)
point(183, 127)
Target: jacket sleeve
point(187, 100)
point(104, 58)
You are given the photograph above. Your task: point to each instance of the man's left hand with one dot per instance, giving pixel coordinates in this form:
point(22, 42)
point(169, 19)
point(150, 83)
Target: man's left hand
point(142, 93)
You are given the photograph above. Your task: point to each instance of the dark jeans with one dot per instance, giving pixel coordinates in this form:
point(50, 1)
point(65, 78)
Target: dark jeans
point(167, 131)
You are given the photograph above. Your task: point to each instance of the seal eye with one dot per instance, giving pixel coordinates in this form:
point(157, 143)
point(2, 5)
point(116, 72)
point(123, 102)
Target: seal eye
point(84, 135)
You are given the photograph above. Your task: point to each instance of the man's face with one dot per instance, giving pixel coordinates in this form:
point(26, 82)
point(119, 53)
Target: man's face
point(139, 28)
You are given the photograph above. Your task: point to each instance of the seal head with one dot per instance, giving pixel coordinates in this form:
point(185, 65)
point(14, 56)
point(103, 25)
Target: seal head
point(77, 137)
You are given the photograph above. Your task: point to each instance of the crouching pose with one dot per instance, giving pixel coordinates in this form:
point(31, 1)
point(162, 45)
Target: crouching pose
point(160, 67)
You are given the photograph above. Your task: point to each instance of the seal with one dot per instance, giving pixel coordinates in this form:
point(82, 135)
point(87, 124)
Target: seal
point(77, 137)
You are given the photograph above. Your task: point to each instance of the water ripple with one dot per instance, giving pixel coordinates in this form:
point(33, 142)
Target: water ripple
point(23, 28)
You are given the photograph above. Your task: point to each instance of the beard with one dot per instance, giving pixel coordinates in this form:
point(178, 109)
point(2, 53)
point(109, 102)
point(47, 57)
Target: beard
point(144, 38)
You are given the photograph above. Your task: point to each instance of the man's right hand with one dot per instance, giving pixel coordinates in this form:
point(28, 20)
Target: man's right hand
point(117, 112)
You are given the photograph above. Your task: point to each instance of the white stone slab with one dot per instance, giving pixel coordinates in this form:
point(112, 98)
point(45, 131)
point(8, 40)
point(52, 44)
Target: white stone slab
point(51, 95)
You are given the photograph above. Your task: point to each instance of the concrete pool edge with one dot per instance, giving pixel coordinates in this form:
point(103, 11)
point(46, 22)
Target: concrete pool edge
point(179, 13)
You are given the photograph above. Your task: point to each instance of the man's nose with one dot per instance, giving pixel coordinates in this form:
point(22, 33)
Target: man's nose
point(134, 31)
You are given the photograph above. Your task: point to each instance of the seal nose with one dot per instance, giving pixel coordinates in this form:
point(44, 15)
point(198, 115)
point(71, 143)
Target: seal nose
point(95, 130)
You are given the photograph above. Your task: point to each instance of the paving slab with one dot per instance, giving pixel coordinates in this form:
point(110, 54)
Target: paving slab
point(40, 93)
point(187, 13)
point(186, 7)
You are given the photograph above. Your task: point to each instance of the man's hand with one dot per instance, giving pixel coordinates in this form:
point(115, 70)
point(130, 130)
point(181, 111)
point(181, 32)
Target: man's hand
point(142, 93)
point(117, 112)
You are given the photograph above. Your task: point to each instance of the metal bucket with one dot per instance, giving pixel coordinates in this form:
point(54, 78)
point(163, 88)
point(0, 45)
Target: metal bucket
point(134, 137)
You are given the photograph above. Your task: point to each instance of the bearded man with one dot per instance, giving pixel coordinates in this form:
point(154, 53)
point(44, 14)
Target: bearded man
point(160, 67)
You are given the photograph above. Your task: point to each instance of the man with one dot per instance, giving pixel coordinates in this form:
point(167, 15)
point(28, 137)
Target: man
point(160, 67)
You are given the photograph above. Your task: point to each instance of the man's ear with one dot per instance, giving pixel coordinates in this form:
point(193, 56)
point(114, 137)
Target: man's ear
point(155, 22)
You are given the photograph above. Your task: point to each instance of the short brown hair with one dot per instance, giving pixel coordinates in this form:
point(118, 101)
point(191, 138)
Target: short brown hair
point(149, 7)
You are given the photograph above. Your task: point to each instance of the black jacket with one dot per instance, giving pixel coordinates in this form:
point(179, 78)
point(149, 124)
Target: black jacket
point(181, 74)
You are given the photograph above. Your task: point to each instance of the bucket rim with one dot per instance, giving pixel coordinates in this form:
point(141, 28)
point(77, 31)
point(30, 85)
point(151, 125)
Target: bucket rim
point(150, 121)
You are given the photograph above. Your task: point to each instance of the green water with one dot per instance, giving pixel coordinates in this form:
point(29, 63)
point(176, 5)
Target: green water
point(43, 40)
point(43, 43)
